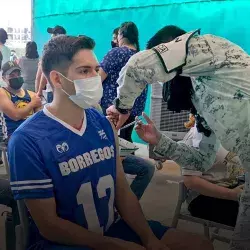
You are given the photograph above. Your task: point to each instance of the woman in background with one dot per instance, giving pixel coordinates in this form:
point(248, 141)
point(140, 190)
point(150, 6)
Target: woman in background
point(5, 51)
point(111, 65)
point(29, 66)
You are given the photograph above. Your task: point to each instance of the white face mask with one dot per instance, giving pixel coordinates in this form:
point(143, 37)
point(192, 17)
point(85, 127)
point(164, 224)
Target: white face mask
point(89, 91)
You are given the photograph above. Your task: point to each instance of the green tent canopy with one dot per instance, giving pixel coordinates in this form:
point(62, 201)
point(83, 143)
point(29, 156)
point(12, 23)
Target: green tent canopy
point(98, 18)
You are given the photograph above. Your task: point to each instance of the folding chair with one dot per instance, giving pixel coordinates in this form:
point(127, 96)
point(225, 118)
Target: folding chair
point(181, 213)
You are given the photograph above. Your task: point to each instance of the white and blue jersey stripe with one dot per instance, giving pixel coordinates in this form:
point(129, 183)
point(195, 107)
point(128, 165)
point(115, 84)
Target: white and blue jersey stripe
point(31, 184)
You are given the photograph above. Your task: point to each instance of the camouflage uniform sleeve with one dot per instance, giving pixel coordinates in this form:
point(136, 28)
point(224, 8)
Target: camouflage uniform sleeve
point(200, 158)
point(143, 68)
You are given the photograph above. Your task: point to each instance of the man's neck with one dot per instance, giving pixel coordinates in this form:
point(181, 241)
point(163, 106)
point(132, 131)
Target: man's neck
point(65, 110)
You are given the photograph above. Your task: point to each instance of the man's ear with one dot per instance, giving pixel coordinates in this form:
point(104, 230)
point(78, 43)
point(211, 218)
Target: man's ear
point(55, 79)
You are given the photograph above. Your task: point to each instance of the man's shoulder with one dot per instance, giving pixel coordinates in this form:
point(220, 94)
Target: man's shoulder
point(4, 93)
point(95, 116)
point(2, 90)
point(35, 127)
point(98, 120)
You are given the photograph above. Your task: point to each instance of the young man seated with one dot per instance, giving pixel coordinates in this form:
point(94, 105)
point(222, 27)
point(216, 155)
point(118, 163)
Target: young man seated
point(65, 165)
point(215, 195)
point(16, 104)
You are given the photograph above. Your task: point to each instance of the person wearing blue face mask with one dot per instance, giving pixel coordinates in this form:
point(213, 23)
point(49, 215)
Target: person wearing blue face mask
point(65, 165)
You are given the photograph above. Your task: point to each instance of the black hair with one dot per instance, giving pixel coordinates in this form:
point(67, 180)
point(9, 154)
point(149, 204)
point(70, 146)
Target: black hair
point(115, 31)
point(59, 51)
point(165, 35)
point(130, 31)
point(31, 50)
point(3, 36)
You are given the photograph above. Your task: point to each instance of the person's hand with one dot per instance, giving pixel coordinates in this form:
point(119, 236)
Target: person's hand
point(236, 192)
point(36, 101)
point(155, 244)
point(148, 132)
point(40, 92)
point(116, 117)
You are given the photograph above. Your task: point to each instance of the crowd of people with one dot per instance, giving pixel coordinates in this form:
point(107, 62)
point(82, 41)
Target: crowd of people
point(60, 116)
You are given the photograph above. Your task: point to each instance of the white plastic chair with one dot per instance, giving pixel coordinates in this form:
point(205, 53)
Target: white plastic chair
point(181, 213)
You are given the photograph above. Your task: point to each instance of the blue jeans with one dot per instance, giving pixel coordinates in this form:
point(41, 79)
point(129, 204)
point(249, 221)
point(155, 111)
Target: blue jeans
point(49, 97)
point(144, 171)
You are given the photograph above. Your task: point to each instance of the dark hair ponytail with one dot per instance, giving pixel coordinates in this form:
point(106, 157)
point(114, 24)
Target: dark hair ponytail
point(31, 50)
point(130, 31)
point(137, 45)
point(165, 35)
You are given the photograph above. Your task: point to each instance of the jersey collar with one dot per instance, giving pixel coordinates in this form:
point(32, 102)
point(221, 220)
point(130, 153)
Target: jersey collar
point(72, 129)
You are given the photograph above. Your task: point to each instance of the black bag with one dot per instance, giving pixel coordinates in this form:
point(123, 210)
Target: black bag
point(177, 93)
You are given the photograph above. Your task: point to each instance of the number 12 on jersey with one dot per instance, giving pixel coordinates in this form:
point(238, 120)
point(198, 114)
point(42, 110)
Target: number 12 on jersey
point(85, 198)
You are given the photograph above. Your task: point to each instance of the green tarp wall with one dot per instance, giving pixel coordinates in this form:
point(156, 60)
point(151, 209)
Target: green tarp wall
point(97, 19)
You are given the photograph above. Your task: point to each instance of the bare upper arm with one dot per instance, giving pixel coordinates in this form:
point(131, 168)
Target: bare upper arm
point(196, 182)
point(120, 175)
point(189, 181)
point(6, 105)
point(43, 212)
point(39, 73)
point(41, 80)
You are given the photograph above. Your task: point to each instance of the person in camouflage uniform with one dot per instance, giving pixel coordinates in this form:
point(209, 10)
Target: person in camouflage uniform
point(220, 76)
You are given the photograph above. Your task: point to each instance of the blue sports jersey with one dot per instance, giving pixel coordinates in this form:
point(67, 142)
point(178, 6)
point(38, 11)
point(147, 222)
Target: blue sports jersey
point(48, 158)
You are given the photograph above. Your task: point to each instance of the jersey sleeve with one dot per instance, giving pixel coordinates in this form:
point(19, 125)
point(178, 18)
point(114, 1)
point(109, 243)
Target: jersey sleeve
point(29, 177)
